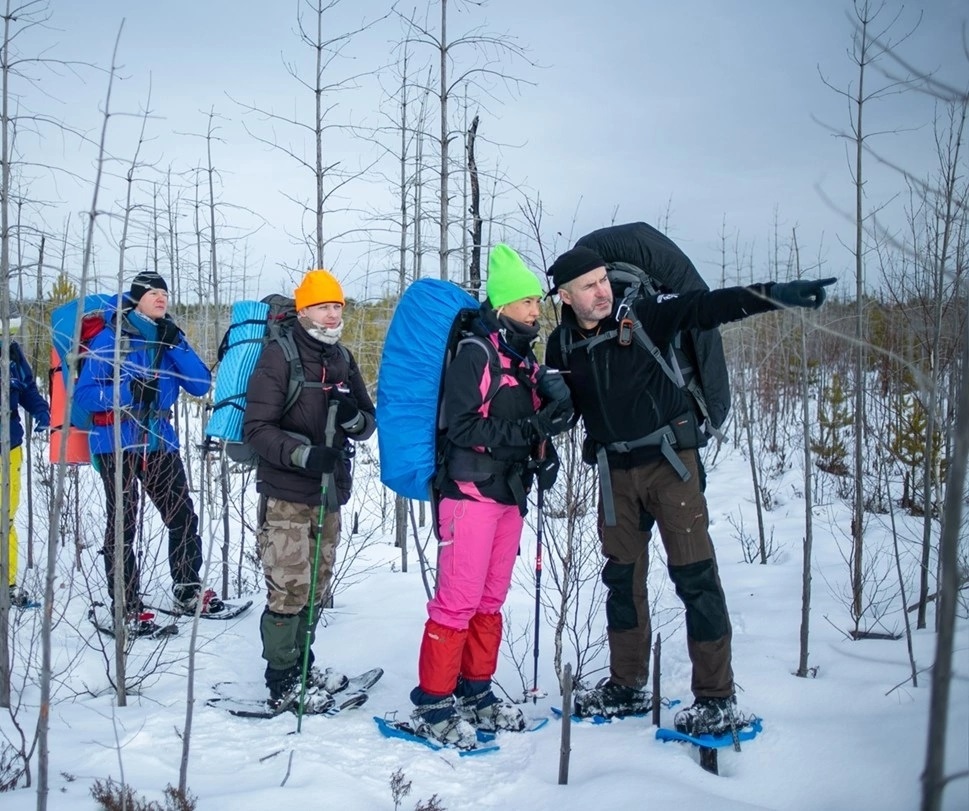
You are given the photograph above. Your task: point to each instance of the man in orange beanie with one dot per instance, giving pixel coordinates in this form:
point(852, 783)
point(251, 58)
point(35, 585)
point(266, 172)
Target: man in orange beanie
point(301, 463)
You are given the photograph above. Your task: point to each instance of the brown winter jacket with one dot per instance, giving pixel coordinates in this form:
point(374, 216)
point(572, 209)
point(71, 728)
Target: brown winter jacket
point(269, 431)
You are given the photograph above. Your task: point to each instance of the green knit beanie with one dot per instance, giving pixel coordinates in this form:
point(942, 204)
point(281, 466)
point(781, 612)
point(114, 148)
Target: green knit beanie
point(508, 278)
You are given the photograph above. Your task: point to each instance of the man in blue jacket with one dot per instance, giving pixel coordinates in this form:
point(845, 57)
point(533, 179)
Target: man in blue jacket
point(156, 361)
point(23, 392)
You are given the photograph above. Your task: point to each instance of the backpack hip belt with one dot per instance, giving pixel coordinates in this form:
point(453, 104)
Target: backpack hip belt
point(663, 438)
point(477, 467)
point(105, 418)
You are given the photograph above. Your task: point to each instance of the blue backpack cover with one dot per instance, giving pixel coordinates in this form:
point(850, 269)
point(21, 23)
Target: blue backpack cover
point(412, 365)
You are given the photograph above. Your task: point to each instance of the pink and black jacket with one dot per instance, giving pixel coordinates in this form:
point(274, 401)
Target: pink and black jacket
point(489, 439)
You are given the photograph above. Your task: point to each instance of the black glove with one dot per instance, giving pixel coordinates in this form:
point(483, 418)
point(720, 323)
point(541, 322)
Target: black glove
point(347, 410)
point(144, 392)
point(547, 469)
point(168, 332)
point(551, 421)
point(323, 459)
point(552, 386)
point(800, 293)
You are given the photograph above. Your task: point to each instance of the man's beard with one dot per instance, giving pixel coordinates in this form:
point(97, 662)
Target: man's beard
point(595, 312)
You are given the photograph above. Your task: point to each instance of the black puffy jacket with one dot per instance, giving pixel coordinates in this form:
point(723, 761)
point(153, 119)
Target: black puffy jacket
point(265, 426)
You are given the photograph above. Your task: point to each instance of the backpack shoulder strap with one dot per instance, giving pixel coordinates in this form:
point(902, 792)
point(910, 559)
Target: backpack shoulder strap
point(693, 388)
point(565, 345)
point(494, 362)
point(296, 379)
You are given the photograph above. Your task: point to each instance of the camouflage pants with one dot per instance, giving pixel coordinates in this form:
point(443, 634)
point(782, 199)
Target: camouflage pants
point(287, 540)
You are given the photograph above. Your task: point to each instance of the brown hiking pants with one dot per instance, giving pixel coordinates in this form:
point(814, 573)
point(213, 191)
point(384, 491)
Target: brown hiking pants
point(680, 511)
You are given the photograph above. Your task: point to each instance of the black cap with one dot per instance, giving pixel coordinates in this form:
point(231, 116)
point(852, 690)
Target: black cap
point(572, 264)
point(145, 281)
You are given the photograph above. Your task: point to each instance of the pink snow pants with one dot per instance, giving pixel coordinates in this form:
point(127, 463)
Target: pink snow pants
point(479, 543)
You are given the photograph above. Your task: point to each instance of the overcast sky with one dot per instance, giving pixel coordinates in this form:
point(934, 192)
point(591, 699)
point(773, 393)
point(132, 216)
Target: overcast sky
point(699, 110)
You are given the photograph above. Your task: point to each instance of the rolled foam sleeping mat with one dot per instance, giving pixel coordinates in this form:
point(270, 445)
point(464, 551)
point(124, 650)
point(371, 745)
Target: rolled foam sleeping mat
point(246, 338)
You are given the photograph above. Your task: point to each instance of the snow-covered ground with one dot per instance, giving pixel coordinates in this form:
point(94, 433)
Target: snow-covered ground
point(853, 737)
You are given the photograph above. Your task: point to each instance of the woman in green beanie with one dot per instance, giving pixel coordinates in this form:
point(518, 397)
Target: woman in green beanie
point(494, 434)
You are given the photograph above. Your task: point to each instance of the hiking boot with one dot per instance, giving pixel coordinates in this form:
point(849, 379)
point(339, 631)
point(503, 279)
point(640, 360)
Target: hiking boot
point(709, 716)
point(329, 680)
point(284, 691)
point(611, 700)
point(186, 602)
point(485, 711)
point(437, 719)
point(141, 622)
point(315, 702)
point(211, 604)
point(186, 605)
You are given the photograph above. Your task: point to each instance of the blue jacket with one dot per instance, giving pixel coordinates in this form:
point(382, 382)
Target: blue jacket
point(23, 392)
point(175, 368)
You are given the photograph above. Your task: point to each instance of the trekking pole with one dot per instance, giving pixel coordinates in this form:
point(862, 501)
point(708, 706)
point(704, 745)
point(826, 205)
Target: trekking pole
point(540, 505)
point(139, 550)
point(324, 487)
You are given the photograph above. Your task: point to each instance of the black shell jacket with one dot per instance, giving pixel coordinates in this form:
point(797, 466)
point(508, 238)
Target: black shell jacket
point(639, 244)
point(265, 426)
point(620, 391)
point(488, 441)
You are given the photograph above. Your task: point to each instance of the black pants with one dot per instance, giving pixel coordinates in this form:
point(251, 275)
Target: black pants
point(163, 477)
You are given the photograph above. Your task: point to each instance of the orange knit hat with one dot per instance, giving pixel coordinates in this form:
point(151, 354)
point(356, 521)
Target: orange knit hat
point(318, 287)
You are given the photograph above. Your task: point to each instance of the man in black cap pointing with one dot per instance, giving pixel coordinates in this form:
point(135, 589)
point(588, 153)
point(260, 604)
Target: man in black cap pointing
point(642, 432)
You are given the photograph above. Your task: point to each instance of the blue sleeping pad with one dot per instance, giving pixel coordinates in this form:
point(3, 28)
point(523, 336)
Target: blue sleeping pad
point(245, 341)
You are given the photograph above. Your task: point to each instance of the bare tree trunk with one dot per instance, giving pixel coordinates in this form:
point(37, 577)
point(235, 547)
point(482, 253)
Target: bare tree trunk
point(400, 529)
point(933, 778)
point(743, 390)
point(43, 722)
point(402, 248)
point(858, 513)
point(442, 224)
point(5, 136)
point(465, 208)
point(29, 461)
point(192, 647)
point(950, 177)
point(120, 580)
point(474, 266)
point(318, 132)
point(217, 303)
point(901, 588)
point(805, 632)
point(400, 503)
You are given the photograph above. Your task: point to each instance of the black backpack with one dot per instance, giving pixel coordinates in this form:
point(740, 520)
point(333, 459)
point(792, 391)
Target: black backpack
point(642, 261)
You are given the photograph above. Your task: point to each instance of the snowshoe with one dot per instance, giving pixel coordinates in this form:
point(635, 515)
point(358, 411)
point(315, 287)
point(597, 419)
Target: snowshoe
point(611, 700)
point(710, 716)
point(488, 713)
